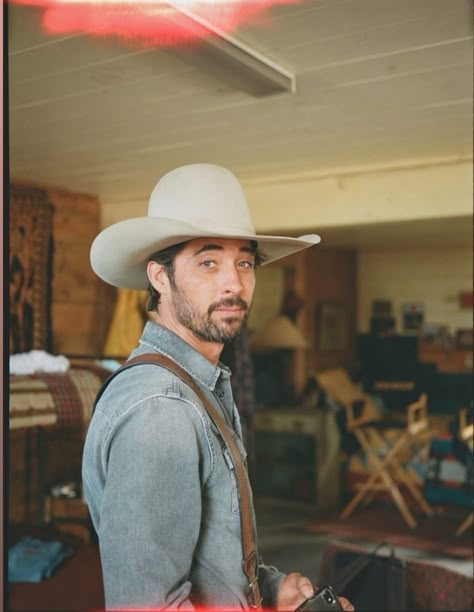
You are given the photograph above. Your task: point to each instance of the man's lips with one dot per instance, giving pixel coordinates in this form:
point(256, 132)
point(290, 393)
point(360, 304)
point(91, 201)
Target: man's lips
point(231, 313)
point(230, 306)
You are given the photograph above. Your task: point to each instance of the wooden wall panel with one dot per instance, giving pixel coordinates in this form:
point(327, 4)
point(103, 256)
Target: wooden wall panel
point(75, 286)
point(74, 326)
point(73, 283)
point(81, 303)
point(331, 278)
point(77, 215)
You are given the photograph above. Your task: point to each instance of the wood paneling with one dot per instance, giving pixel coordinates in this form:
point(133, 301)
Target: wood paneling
point(81, 303)
point(74, 329)
point(75, 286)
point(73, 282)
point(331, 277)
point(77, 215)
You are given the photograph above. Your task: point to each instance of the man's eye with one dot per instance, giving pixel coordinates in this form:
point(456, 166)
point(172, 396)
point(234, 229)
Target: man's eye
point(247, 264)
point(208, 263)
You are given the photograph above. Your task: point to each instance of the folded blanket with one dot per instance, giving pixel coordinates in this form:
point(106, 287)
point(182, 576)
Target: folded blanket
point(38, 361)
point(32, 560)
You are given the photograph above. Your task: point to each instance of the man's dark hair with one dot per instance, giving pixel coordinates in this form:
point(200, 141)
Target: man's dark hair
point(166, 258)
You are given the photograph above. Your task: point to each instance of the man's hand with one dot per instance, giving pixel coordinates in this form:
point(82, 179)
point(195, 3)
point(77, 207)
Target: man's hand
point(295, 588)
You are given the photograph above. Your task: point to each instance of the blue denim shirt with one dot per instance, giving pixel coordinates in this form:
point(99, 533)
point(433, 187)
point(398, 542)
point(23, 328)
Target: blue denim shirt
point(161, 489)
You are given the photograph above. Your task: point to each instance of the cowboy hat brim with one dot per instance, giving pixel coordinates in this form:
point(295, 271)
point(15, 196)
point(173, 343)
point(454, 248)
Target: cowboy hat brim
point(120, 252)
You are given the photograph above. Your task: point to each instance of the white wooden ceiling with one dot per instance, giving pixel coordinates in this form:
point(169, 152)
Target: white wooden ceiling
point(377, 81)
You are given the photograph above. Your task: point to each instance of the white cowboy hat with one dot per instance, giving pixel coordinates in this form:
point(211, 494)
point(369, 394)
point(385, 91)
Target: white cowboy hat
point(189, 202)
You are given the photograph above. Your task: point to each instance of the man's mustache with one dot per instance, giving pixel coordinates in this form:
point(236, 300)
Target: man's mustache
point(229, 303)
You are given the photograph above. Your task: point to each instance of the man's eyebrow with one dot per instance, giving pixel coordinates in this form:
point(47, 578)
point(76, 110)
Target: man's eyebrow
point(218, 247)
point(247, 249)
point(209, 247)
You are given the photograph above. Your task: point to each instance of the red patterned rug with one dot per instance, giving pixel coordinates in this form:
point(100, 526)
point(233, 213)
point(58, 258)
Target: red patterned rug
point(435, 534)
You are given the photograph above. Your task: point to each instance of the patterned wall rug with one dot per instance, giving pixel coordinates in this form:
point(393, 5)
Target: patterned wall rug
point(30, 266)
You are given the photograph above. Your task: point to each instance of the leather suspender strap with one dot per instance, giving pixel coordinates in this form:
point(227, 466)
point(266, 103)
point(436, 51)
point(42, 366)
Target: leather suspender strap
point(250, 556)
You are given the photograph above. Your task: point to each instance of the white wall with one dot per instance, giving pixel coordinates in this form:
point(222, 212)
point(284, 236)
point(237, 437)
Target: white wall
point(379, 195)
point(432, 276)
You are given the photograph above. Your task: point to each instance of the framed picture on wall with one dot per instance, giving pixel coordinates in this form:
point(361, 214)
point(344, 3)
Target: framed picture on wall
point(413, 314)
point(331, 326)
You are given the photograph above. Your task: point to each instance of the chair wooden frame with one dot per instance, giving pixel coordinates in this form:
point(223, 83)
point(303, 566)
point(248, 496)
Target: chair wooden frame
point(466, 434)
point(388, 455)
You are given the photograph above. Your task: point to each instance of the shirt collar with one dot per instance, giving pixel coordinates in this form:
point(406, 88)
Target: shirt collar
point(157, 338)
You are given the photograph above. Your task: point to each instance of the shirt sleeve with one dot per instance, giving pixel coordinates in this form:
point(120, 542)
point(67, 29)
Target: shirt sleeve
point(151, 507)
point(269, 580)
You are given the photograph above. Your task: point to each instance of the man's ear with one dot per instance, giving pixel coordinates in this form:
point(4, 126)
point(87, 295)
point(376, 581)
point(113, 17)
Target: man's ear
point(157, 276)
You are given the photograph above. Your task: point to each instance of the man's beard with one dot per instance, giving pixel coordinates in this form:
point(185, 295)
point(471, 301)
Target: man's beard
point(202, 326)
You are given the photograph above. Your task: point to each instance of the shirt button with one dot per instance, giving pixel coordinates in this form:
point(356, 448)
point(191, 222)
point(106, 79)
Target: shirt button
point(221, 394)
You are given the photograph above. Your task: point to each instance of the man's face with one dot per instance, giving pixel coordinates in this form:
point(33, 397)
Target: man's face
point(212, 288)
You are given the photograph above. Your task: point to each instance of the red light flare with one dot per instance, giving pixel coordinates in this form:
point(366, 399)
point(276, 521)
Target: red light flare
point(150, 23)
point(194, 609)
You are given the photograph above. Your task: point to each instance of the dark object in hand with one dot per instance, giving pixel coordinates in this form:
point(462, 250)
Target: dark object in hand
point(323, 599)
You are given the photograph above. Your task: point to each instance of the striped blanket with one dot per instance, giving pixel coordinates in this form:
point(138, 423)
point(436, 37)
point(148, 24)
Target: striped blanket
point(45, 399)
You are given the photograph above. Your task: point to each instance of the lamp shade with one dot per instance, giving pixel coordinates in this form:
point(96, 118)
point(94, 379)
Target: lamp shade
point(279, 333)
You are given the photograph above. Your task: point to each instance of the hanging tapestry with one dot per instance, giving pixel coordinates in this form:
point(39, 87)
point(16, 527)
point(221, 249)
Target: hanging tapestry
point(30, 267)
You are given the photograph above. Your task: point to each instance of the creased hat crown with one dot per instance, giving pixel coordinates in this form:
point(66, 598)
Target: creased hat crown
point(204, 195)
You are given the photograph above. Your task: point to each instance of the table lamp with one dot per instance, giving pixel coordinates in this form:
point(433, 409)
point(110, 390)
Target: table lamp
point(273, 347)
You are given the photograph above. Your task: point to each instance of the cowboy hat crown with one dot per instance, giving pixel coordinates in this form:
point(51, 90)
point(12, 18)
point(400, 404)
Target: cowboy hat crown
point(198, 195)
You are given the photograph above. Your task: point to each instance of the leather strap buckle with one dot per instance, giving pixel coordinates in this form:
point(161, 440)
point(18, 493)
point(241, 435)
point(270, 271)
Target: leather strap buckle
point(250, 565)
point(255, 599)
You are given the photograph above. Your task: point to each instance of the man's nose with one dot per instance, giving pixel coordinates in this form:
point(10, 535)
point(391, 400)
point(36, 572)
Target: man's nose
point(231, 281)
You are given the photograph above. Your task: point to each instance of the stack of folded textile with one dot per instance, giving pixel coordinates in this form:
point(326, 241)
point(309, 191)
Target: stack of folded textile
point(32, 560)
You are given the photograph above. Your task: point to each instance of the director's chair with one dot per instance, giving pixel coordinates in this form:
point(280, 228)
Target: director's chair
point(389, 447)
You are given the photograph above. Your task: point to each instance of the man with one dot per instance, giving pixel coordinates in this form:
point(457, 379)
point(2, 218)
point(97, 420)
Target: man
point(158, 479)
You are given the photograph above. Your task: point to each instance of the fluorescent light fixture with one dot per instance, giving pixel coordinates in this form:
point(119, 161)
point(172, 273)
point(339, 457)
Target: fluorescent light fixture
point(232, 59)
point(176, 27)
